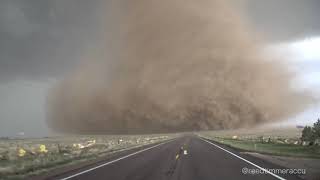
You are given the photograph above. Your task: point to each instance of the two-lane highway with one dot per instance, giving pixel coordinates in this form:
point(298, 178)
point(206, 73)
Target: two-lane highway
point(187, 158)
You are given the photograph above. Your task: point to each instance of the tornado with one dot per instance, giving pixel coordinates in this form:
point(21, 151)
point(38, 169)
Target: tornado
point(174, 66)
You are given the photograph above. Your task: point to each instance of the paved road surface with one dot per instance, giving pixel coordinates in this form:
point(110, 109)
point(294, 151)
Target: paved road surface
point(202, 160)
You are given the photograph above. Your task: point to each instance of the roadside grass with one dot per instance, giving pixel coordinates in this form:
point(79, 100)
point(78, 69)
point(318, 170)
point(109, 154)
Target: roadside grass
point(63, 151)
point(272, 148)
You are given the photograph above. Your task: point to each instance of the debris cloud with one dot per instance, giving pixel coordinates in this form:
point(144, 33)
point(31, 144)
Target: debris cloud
point(174, 65)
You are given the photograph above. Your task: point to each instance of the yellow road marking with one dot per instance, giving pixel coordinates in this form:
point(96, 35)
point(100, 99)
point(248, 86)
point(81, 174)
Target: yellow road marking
point(177, 156)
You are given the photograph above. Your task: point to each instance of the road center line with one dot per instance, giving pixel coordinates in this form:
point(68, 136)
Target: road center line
point(113, 161)
point(263, 169)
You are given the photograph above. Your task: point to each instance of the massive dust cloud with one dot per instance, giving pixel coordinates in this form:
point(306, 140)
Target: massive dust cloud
point(173, 65)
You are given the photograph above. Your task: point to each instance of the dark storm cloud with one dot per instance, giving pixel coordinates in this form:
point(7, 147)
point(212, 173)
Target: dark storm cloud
point(42, 38)
point(285, 19)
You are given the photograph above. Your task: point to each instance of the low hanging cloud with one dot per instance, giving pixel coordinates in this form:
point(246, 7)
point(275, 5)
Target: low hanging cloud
point(174, 65)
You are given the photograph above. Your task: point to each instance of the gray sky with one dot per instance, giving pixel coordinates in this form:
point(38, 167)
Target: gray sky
point(285, 19)
point(42, 38)
point(40, 41)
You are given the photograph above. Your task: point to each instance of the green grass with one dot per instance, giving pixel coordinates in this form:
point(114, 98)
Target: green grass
point(271, 148)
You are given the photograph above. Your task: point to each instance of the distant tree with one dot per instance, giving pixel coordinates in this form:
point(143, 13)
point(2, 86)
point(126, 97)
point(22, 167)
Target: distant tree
point(311, 134)
point(316, 129)
point(307, 134)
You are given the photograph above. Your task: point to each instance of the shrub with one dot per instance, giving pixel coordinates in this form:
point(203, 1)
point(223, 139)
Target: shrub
point(311, 134)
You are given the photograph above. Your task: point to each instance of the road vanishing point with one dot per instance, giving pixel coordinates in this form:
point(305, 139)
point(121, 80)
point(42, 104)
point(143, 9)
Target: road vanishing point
point(183, 158)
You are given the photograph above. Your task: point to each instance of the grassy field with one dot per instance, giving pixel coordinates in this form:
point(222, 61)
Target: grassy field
point(20, 158)
point(282, 142)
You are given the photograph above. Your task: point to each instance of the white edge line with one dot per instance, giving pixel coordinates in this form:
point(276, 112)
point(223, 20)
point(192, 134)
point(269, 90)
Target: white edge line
point(263, 169)
point(113, 161)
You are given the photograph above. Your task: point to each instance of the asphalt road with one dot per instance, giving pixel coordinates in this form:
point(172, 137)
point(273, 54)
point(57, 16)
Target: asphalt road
point(187, 158)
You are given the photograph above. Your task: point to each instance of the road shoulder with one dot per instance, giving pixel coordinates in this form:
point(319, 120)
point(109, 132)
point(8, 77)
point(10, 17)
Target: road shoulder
point(69, 169)
point(312, 166)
